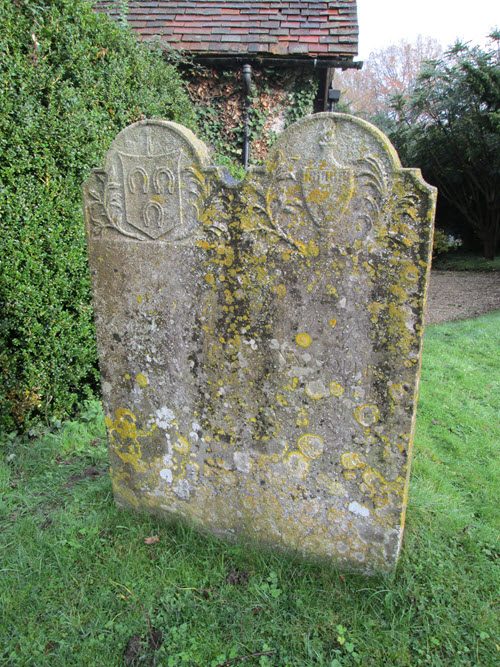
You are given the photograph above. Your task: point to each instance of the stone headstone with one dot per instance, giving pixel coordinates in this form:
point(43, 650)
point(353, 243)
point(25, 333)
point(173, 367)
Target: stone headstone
point(260, 342)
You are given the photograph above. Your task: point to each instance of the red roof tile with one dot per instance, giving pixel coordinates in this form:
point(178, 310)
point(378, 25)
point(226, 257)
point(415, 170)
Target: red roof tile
point(315, 29)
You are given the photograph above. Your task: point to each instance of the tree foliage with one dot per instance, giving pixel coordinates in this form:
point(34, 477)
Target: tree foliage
point(70, 80)
point(450, 128)
point(386, 73)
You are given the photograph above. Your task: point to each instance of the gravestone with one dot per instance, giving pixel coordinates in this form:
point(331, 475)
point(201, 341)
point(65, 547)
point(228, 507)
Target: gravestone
point(260, 342)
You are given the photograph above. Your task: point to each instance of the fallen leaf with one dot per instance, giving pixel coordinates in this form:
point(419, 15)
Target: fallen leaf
point(151, 540)
point(50, 647)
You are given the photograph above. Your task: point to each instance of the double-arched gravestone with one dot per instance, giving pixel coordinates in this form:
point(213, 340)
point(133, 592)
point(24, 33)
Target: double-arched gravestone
point(260, 342)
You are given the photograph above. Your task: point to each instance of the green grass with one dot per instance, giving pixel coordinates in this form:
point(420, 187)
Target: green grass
point(459, 260)
point(77, 580)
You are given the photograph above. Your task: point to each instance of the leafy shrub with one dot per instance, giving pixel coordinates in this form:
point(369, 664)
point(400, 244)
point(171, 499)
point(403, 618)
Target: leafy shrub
point(450, 128)
point(444, 243)
point(70, 80)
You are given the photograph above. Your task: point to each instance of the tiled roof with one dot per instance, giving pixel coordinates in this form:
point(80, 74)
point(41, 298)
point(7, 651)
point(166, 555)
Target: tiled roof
point(316, 29)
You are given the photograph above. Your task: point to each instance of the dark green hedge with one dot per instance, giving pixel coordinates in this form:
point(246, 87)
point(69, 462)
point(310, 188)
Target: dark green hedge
point(70, 80)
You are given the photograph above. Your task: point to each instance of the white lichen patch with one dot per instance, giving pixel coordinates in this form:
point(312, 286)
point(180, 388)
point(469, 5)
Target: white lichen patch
point(182, 488)
point(316, 389)
point(243, 461)
point(358, 509)
point(164, 417)
point(166, 474)
point(298, 464)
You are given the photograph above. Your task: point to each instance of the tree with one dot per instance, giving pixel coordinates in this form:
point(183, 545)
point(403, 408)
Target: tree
point(450, 128)
point(387, 72)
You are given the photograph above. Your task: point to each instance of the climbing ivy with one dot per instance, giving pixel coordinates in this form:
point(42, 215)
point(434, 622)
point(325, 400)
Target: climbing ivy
point(279, 98)
point(302, 96)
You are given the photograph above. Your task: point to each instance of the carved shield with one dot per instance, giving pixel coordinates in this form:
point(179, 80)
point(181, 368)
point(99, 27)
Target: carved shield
point(152, 194)
point(327, 193)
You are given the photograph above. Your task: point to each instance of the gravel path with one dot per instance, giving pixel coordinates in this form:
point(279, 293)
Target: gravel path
point(458, 295)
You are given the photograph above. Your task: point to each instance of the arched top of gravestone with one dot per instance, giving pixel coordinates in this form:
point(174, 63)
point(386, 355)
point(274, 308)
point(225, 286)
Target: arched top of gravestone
point(331, 179)
point(150, 186)
point(333, 138)
point(152, 138)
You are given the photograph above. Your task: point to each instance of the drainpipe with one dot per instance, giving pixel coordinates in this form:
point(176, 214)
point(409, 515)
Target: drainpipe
point(247, 81)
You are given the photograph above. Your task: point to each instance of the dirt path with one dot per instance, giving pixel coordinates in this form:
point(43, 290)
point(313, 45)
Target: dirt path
point(458, 295)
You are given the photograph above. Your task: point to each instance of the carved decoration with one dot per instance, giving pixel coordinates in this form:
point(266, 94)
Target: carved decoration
point(319, 190)
point(149, 185)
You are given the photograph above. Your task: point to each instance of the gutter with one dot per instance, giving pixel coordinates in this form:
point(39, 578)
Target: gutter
point(263, 61)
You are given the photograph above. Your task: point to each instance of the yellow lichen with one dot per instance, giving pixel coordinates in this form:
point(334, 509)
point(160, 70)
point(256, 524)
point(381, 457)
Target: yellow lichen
point(302, 419)
point(303, 339)
point(382, 492)
point(397, 392)
point(398, 291)
point(351, 461)
point(366, 415)
point(411, 274)
point(298, 464)
point(182, 445)
point(311, 445)
point(335, 488)
point(375, 308)
point(335, 515)
point(336, 389)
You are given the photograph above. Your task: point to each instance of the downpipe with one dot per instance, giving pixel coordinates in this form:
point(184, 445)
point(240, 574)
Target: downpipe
point(247, 82)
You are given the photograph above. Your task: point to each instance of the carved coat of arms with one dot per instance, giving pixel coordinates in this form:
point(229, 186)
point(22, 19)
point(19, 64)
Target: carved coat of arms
point(152, 193)
point(149, 188)
point(327, 193)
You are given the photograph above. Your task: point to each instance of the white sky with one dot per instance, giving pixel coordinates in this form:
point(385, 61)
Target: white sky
point(385, 22)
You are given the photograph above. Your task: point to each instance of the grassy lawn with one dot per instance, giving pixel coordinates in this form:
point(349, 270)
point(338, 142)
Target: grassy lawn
point(80, 586)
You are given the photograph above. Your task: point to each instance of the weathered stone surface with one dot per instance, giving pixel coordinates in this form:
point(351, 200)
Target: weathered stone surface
point(260, 342)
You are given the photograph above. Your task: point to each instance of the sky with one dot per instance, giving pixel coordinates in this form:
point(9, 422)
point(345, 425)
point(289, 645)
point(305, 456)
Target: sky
point(386, 22)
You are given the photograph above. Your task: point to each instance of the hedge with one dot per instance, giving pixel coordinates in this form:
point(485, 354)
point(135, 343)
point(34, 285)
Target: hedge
point(70, 80)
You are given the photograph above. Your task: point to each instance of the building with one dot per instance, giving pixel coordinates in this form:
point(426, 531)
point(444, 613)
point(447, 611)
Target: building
point(251, 65)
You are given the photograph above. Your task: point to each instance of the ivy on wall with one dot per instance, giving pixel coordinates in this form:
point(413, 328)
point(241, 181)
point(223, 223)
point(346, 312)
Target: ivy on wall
point(279, 98)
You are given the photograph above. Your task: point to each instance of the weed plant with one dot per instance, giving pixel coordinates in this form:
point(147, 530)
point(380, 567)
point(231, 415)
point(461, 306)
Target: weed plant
point(84, 583)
